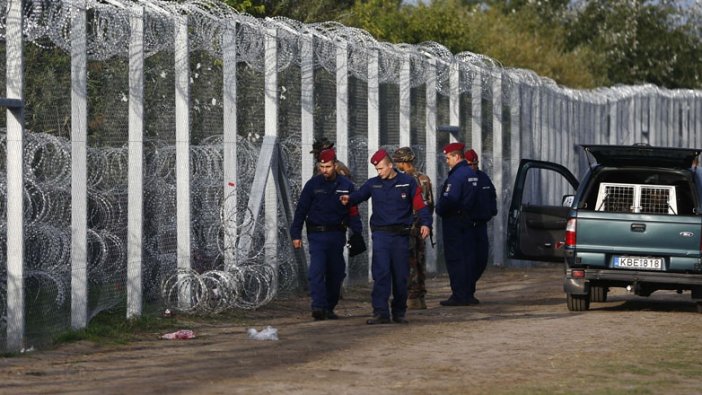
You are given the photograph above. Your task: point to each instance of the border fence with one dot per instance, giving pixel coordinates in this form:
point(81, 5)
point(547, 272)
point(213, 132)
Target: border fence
point(154, 150)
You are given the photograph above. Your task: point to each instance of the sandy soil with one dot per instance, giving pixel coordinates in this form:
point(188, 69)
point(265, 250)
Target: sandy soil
point(520, 339)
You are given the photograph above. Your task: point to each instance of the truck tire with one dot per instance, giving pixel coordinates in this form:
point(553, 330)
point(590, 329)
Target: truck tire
point(699, 307)
point(598, 294)
point(578, 302)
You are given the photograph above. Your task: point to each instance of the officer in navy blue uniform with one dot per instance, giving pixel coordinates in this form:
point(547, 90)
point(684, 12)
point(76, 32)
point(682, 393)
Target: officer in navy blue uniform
point(455, 201)
point(326, 220)
point(481, 215)
point(395, 196)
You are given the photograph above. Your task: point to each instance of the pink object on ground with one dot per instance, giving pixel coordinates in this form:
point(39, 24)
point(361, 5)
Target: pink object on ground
point(182, 334)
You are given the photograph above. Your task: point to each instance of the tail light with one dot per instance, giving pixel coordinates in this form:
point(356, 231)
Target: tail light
point(570, 233)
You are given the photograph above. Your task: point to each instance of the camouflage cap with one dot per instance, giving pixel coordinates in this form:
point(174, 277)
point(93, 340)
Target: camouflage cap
point(403, 154)
point(319, 146)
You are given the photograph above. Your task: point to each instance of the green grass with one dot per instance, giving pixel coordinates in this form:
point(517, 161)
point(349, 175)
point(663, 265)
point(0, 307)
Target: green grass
point(111, 327)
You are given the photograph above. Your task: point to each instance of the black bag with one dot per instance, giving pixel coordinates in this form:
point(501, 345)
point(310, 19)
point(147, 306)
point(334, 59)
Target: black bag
point(486, 199)
point(356, 244)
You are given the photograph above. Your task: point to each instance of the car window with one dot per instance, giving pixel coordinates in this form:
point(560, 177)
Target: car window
point(544, 187)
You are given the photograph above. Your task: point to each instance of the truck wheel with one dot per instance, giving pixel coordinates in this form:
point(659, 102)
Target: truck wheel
point(699, 307)
point(598, 294)
point(578, 302)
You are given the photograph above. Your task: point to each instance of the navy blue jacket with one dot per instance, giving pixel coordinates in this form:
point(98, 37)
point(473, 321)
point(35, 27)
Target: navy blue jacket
point(459, 192)
point(485, 206)
point(394, 201)
point(319, 204)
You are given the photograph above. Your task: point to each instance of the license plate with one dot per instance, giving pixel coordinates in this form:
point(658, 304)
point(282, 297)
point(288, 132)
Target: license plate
point(638, 262)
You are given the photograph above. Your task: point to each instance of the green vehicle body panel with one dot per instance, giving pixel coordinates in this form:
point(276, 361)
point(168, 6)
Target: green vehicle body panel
point(665, 236)
point(603, 235)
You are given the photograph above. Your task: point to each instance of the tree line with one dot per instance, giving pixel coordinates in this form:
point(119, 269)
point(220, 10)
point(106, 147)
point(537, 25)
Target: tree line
point(578, 43)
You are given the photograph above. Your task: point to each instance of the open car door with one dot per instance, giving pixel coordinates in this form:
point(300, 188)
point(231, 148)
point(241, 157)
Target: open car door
point(537, 215)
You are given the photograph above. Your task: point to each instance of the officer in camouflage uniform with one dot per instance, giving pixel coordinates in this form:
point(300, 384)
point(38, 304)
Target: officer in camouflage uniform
point(404, 161)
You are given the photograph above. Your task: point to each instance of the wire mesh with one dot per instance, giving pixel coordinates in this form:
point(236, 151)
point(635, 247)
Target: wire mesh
point(541, 120)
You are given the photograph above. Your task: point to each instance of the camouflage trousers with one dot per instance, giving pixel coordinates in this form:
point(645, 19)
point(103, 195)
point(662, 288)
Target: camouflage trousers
point(418, 265)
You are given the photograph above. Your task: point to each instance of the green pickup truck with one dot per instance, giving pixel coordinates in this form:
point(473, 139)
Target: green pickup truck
point(633, 221)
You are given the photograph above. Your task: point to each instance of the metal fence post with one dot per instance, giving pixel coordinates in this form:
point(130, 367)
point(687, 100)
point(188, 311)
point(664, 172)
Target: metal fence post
point(15, 179)
point(79, 190)
point(229, 141)
point(271, 130)
point(498, 224)
point(373, 132)
point(182, 130)
point(135, 193)
point(430, 151)
point(404, 98)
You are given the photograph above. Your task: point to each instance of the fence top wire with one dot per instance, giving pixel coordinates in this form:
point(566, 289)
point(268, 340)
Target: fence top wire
point(109, 34)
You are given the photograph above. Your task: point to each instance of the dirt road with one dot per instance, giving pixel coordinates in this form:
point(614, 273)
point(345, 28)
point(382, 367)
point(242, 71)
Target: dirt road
point(520, 339)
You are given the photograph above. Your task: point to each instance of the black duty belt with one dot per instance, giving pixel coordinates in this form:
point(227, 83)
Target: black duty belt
point(325, 228)
point(397, 229)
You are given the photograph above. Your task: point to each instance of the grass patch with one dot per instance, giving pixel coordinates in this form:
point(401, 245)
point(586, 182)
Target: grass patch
point(111, 327)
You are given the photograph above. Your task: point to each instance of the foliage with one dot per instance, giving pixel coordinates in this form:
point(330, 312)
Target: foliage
point(513, 39)
point(640, 41)
point(582, 44)
point(247, 6)
point(307, 11)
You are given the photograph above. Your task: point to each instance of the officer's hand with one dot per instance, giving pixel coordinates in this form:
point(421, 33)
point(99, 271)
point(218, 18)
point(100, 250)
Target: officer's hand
point(425, 231)
point(297, 244)
point(344, 199)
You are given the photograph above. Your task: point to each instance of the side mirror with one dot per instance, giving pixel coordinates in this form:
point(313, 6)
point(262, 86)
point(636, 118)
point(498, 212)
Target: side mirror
point(567, 200)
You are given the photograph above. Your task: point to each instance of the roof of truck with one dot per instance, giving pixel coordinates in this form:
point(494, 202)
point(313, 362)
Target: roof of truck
point(640, 154)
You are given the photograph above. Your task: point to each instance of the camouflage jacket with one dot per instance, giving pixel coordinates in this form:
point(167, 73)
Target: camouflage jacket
point(425, 183)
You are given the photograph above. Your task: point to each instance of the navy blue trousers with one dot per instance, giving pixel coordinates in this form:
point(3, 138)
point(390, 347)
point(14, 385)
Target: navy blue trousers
point(327, 268)
point(390, 270)
point(482, 251)
point(460, 255)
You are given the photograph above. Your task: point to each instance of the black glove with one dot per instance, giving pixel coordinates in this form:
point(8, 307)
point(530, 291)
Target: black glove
point(356, 244)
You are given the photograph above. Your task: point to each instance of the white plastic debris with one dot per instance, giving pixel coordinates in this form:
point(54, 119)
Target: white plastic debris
point(268, 333)
point(182, 334)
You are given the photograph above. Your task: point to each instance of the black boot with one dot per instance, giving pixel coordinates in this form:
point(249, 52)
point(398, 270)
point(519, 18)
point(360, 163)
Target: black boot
point(319, 315)
point(453, 302)
point(378, 320)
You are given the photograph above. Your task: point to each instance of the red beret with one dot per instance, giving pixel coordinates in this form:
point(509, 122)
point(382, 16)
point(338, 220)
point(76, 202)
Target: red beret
point(327, 155)
point(471, 156)
point(451, 147)
point(378, 156)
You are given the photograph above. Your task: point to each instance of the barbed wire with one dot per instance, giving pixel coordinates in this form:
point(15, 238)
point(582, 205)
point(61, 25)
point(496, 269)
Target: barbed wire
point(250, 282)
point(109, 36)
point(222, 276)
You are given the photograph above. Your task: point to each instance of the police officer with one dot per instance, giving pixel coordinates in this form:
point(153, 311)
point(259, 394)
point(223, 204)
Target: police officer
point(480, 215)
point(323, 144)
point(456, 199)
point(326, 220)
point(404, 160)
point(396, 197)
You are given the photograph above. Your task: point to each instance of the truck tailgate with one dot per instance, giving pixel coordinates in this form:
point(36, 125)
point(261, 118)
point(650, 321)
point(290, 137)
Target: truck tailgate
point(638, 234)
